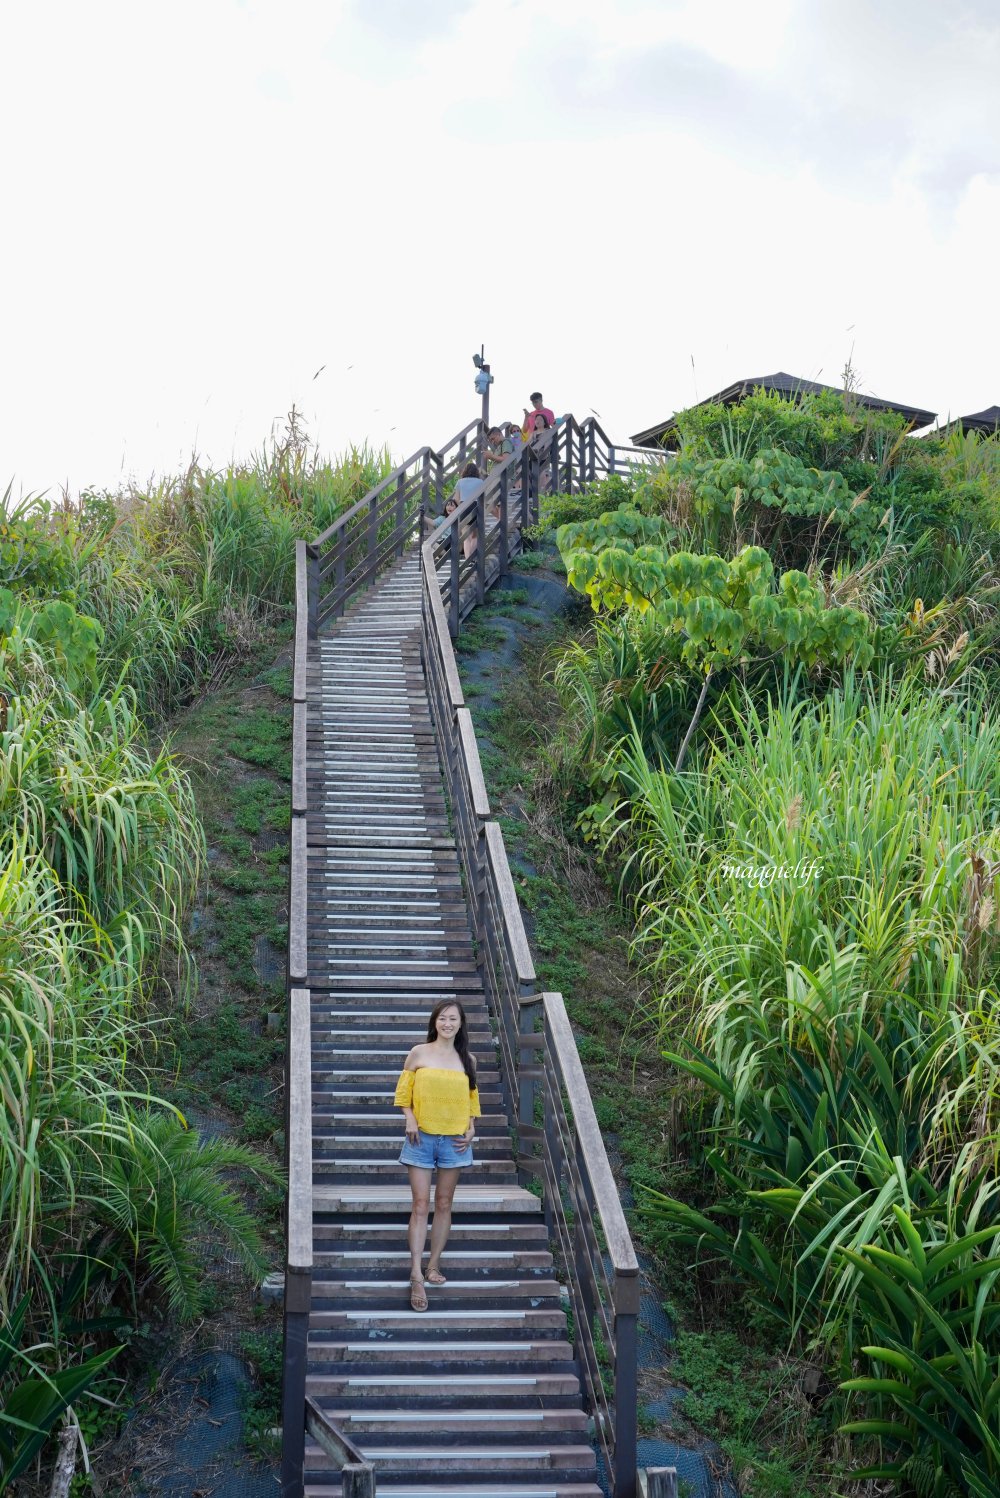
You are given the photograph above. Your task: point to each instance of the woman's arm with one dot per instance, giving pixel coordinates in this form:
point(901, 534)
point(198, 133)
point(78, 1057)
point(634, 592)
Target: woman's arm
point(404, 1098)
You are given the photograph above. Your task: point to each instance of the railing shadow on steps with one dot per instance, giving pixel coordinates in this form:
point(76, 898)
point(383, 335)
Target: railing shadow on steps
point(559, 1143)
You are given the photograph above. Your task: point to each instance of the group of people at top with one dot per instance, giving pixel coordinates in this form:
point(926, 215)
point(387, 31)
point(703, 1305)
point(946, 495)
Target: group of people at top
point(510, 438)
point(501, 442)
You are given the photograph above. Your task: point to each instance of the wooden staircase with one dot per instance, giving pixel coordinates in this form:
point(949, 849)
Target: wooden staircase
point(479, 1396)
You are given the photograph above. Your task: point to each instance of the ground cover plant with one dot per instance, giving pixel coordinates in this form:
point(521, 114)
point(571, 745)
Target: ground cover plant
point(114, 612)
point(815, 896)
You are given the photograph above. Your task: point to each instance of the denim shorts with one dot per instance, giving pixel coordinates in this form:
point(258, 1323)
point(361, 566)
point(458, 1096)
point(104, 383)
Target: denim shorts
point(435, 1150)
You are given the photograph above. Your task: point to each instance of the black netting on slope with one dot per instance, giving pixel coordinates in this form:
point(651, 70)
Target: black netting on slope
point(203, 1450)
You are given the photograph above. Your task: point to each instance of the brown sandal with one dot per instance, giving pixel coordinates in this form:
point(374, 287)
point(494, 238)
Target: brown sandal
point(418, 1295)
point(435, 1277)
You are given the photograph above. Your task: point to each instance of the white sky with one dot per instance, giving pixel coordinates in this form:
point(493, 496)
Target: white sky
point(205, 201)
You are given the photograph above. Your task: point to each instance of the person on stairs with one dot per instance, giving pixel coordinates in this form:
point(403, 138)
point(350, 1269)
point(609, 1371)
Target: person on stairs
point(440, 1100)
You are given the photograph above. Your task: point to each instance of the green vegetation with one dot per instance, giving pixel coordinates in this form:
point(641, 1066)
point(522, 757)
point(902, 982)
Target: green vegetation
point(113, 614)
point(810, 855)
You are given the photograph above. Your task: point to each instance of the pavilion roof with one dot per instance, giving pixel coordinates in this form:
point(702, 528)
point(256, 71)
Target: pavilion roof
point(792, 387)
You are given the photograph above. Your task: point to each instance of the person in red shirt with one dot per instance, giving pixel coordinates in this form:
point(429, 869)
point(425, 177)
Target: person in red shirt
point(538, 409)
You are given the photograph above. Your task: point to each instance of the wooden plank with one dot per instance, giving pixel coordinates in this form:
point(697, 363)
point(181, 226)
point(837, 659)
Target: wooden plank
point(300, 800)
point(517, 941)
point(441, 637)
point(606, 1198)
point(330, 1438)
point(301, 622)
point(297, 906)
point(473, 766)
point(300, 1145)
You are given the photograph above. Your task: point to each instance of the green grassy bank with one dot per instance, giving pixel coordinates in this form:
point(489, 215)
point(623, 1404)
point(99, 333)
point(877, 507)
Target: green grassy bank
point(118, 1015)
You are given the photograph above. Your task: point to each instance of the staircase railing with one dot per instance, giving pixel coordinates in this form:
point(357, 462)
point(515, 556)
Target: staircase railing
point(368, 537)
point(559, 1142)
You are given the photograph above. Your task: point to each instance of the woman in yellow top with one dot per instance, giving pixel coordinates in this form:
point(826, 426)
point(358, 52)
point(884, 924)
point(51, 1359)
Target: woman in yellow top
point(438, 1095)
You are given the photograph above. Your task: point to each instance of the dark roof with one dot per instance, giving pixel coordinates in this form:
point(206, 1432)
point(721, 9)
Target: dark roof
point(980, 421)
point(665, 432)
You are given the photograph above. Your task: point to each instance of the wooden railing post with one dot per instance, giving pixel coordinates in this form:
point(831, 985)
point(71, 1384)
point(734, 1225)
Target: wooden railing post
point(358, 1481)
point(530, 1066)
point(504, 518)
point(339, 572)
point(312, 571)
point(480, 552)
point(661, 1482)
point(611, 458)
point(298, 1237)
point(626, 1305)
point(400, 512)
point(372, 539)
point(525, 462)
point(592, 454)
point(425, 492)
point(455, 562)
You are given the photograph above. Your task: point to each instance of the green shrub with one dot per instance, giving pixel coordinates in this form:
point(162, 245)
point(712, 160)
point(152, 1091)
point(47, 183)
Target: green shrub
point(617, 491)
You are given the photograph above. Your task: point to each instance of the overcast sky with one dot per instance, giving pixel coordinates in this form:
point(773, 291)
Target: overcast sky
point(632, 205)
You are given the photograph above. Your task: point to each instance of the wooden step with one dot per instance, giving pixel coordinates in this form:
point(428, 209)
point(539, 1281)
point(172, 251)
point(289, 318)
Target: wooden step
point(448, 1461)
point(478, 1199)
point(330, 1351)
point(387, 1488)
point(343, 1171)
point(432, 1390)
point(365, 1103)
point(497, 1291)
point(388, 1262)
point(429, 1426)
point(492, 1234)
point(377, 1145)
point(439, 1320)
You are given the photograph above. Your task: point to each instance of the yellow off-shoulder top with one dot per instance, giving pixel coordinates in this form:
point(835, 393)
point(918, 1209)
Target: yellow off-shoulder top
point(440, 1098)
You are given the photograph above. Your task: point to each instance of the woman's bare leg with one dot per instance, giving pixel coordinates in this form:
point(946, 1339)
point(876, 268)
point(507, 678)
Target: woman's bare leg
point(444, 1195)
point(420, 1186)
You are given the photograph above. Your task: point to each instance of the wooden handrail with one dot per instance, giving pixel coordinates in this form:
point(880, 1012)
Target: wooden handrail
point(566, 1153)
point(380, 526)
point(298, 1068)
point(363, 503)
point(357, 1475)
point(540, 1065)
point(336, 1443)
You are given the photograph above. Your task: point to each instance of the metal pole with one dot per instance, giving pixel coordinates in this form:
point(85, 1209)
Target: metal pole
point(486, 403)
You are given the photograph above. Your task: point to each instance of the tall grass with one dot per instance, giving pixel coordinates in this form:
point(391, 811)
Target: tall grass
point(819, 905)
point(113, 612)
point(891, 791)
point(185, 572)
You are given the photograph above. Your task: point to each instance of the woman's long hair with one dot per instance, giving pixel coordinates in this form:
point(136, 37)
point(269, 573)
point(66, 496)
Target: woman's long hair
point(461, 1037)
